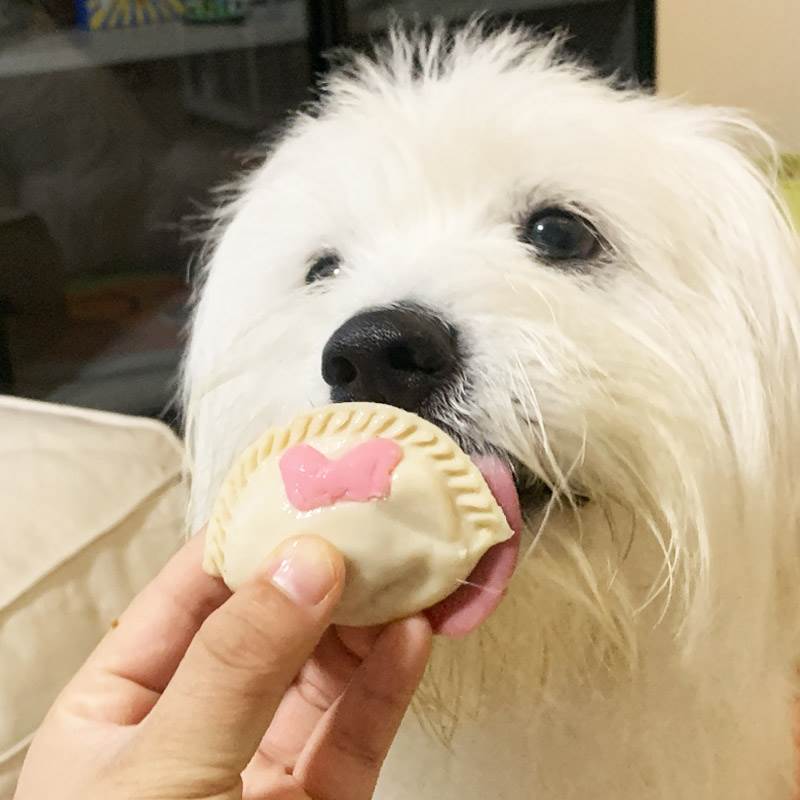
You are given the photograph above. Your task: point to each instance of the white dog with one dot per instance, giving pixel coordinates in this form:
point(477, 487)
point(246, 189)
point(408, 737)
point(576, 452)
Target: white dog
point(602, 286)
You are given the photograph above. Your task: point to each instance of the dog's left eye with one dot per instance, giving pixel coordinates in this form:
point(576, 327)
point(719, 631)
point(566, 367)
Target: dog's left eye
point(325, 265)
point(560, 235)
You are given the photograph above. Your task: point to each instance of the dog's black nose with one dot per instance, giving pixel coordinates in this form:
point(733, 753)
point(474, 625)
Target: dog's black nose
point(400, 355)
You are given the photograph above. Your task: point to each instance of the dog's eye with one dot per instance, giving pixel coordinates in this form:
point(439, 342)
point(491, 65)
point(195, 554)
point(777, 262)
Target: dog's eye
point(560, 235)
point(325, 265)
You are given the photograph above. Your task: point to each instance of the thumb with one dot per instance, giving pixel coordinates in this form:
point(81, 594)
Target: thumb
point(226, 689)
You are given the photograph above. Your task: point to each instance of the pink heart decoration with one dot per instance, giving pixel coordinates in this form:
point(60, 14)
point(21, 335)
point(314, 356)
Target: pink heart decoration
point(314, 481)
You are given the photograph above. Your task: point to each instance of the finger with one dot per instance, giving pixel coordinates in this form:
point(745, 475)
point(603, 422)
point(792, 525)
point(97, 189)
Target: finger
point(321, 681)
point(344, 759)
point(130, 668)
point(245, 655)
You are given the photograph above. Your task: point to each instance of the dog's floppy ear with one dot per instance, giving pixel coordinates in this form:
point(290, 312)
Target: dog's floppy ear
point(754, 272)
point(744, 148)
point(754, 225)
point(731, 176)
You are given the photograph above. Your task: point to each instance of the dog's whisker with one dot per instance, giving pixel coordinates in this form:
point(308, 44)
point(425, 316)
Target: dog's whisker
point(480, 587)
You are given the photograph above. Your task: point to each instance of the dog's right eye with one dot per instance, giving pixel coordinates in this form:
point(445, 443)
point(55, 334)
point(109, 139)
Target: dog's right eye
point(325, 265)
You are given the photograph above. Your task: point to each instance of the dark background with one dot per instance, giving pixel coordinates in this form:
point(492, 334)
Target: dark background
point(111, 142)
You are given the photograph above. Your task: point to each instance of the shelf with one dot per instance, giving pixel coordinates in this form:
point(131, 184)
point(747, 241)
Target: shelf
point(276, 23)
point(367, 20)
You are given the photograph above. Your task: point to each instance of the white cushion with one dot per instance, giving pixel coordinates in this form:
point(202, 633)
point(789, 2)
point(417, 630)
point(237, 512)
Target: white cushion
point(92, 507)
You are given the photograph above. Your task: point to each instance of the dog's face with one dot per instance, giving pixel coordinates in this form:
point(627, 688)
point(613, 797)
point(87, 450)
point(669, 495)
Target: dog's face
point(545, 267)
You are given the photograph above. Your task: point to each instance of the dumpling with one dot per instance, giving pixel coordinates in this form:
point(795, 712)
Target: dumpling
point(410, 512)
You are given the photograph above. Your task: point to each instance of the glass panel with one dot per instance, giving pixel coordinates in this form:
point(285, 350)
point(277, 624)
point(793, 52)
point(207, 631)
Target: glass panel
point(116, 122)
point(110, 140)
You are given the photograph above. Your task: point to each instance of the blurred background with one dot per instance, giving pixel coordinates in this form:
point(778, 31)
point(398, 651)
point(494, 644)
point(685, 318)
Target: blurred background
point(119, 117)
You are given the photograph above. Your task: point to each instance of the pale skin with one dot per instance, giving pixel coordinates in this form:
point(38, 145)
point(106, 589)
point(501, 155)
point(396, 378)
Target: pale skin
point(198, 694)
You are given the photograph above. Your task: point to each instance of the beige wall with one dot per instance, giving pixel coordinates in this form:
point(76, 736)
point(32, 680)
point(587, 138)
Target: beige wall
point(744, 53)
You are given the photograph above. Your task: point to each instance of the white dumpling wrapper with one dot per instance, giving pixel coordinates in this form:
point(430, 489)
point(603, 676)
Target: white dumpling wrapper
point(403, 553)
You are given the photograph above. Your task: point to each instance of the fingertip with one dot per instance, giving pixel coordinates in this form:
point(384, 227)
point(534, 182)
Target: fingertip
point(411, 639)
point(333, 554)
point(417, 628)
point(421, 624)
point(309, 570)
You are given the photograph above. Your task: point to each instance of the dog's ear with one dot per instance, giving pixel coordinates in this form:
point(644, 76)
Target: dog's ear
point(754, 272)
point(750, 159)
point(731, 177)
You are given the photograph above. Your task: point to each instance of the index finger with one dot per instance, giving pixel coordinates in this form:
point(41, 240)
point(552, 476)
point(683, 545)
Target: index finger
point(133, 664)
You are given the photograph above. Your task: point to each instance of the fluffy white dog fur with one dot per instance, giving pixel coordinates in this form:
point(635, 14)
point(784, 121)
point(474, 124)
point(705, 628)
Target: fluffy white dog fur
point(647, 646)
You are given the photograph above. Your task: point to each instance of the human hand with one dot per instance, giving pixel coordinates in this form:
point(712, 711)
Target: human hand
point(199, 694)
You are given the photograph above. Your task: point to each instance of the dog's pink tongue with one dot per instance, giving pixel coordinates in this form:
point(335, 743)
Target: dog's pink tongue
point(472, 603)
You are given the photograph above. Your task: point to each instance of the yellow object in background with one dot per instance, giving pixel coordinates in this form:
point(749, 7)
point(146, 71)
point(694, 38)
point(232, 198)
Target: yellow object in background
point(790, 183)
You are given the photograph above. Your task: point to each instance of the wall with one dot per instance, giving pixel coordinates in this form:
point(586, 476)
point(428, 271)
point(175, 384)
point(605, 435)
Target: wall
point(743, 53)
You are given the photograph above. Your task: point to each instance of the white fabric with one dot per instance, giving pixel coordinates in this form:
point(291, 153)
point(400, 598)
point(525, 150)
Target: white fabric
point(93, 505)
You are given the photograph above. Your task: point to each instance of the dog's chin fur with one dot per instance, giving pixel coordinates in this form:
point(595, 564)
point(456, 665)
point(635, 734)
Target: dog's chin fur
point(646, 648)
